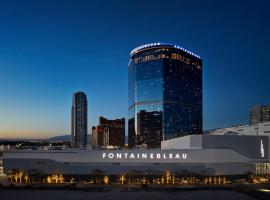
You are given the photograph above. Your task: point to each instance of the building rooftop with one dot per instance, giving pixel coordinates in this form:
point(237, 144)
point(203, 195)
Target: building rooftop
point(146, 46)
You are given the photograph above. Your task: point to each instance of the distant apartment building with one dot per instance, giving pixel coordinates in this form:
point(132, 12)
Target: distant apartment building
point(259, 114)
point(109, 133)
point(97, 136)
point(79, 120)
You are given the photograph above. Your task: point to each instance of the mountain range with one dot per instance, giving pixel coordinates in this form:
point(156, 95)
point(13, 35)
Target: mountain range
point(67, 138)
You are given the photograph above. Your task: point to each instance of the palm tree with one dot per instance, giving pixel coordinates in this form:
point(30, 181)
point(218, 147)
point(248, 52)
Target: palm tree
point(61, 178)
point(49, 179)
point(122, 178)
point(106, 179)
point(14, 174)
point(16, 177)
point(20, 176)
point(26, 178)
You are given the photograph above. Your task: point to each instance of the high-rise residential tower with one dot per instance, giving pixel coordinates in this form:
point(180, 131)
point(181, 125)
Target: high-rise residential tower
point(165, 94)
point(79, 120)
point(259, 114)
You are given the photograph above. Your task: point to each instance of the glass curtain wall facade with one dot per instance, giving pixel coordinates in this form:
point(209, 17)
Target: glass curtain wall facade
point(165, 94)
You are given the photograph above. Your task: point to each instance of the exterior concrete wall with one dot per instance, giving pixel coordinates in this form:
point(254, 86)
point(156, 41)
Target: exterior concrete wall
point(251, 146)
point(246, 145)
point(207, 154)
point(186, 142)
point(232, 168)
point(153, 156)
point(264, 128)
point(85, 162)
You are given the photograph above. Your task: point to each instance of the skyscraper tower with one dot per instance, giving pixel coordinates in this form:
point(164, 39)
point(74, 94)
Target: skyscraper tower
point(165, 94)
point(79, 120)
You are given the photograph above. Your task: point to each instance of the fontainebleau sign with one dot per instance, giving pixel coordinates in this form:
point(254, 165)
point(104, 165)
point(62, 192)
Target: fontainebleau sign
point(163, 156)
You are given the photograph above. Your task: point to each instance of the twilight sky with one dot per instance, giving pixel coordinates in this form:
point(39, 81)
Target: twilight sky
point(50, 49)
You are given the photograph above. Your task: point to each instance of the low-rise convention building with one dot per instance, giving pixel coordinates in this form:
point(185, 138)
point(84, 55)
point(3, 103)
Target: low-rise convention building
point(200, 154)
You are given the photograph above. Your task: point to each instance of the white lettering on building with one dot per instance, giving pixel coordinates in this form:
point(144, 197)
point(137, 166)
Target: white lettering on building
point(164, 156)
point(184, 156)
point(119, 155)
point(144, 155)
point(104, 155)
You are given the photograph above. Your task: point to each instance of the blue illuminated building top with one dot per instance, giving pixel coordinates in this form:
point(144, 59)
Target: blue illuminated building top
point(158, 44)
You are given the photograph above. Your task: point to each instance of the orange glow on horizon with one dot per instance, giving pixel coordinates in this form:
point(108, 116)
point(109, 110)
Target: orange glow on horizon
point(29, 134)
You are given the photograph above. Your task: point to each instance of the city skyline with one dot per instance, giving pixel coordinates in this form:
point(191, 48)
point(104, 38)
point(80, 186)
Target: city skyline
point(45, 44)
